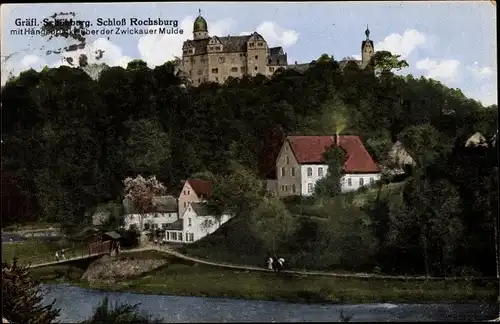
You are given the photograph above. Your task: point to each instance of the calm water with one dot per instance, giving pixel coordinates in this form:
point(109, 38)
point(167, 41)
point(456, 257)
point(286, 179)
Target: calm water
point(77, 304)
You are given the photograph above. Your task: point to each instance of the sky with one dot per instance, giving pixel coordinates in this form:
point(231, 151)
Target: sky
point(453, 42)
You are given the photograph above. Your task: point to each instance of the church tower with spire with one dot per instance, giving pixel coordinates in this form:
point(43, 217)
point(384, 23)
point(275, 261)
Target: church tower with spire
point(367, 49)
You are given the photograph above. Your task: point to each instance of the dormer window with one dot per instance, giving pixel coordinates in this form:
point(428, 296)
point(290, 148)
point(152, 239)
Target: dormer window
point(251, 44)
point(260, 44)
point(211, 48)
point(217, 48)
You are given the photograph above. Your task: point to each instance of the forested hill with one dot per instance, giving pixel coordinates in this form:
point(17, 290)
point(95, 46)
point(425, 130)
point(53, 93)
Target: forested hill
point(69, 140)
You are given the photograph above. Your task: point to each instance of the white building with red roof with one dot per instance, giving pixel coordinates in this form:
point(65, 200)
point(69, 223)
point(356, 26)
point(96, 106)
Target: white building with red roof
point(300, 164)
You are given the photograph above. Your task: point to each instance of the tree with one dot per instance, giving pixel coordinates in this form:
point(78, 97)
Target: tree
point(141, 192)
point(106, 312)
point(273, 223)
point(424, 143)
point(22, 297)
point(148, 146)
point(331, 185)
point(385, 62)
point(427, 219)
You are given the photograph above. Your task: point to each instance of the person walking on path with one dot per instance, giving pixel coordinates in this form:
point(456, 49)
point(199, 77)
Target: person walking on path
point(57, 255)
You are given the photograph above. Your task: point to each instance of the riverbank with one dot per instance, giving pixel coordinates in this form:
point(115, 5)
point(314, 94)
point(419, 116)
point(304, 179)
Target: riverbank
point(185, 278)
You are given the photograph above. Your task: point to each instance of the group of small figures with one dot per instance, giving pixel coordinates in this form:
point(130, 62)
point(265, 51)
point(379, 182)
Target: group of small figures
point(276, 264)
point(60, 255)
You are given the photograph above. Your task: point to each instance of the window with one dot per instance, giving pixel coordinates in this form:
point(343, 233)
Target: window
point(185, 204)
point(184, 52)
point(269, 61)
point(292, 172)
point(286, 148)
point(293, 188)
point(349, 182)
point(222, 59)
point(167, 236)
point(309, 188)
point(191, 237)
point(260, 44)
point(372, 181)
point(256, 68)
point(309, 172)
point(164, 226)
point(251, 44)
point(243, 69)
point(189, 192)
point(361, 182)
point(278, 62)
point(234, 69)
point(216, 70)
point(282, 188)
point(256, 57)
point(320, 172)
point(189, 221)
point(217, 48)
point(271, 69)
point(242, 54)
point(199, 80)
point(179, 236)
point(286, 187)
point(283, 171)
point(211, 48)
point(146, 227)
point(287, 160)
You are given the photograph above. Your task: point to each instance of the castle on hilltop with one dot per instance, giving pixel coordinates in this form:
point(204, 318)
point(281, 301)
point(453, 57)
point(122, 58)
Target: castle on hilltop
point(216, 58)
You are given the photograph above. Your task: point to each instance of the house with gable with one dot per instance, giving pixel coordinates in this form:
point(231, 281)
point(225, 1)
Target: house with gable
point(194, 190)
point(197, 222)
point(300, 164)
point(163, 212)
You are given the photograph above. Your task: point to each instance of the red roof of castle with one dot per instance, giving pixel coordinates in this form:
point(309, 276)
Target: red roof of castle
point(201, 187)
point(310, 149)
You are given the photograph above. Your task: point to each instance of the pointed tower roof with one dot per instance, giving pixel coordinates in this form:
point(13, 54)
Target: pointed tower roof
point(200, 24)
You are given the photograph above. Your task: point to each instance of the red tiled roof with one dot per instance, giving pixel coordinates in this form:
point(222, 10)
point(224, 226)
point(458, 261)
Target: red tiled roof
point(201, 187)
point(310, 149)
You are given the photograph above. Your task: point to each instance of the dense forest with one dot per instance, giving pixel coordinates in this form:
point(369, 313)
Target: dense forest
point(69, 140)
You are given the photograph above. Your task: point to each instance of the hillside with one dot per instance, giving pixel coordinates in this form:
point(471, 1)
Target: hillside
point(70, 140)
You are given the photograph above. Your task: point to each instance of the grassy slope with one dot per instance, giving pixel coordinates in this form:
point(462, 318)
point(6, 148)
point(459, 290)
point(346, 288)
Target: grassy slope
point(214, 247)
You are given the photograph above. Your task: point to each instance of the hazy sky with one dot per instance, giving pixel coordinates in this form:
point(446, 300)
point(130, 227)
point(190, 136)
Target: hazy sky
point(453, 42)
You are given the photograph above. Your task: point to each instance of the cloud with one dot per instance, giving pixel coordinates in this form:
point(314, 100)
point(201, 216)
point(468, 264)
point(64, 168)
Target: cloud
point(480, 72)
point(443, 70)
point(276, 35)
point(404, 44)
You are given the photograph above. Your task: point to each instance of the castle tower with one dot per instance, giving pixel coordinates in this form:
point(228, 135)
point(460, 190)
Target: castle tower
point(367, 49)
point(200, 28)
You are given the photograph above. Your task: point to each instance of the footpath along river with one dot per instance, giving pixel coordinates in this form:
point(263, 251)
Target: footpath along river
point(77, 304)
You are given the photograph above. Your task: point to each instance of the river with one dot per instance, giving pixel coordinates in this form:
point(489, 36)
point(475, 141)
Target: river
point(77, 304)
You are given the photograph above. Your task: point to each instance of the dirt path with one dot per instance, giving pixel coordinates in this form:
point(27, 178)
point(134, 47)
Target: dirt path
point(303, 273)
